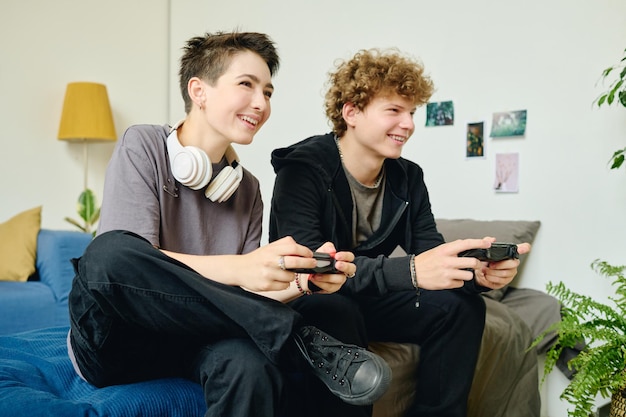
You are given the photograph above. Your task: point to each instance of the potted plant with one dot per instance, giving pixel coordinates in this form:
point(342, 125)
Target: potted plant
point(87, 210)
point(600, 368)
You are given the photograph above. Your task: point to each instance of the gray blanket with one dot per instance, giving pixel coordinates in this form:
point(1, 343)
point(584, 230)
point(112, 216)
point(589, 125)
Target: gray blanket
point(506, 382)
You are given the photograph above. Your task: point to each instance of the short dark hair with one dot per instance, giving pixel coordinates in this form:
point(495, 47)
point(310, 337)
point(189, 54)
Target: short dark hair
point(208, 57)
point(370, 72)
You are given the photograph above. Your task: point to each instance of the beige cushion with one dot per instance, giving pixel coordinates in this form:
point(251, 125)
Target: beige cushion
point(402, 359)
point(18, 245)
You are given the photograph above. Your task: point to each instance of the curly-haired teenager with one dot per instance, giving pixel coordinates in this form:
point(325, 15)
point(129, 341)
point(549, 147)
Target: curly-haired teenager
point(353, 188)
point(168, 287)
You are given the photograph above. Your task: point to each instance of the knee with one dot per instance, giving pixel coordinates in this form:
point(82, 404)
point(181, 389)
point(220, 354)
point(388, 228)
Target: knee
point(113, 242)
point(111, 253)
point(471, 307)
point(464, 313)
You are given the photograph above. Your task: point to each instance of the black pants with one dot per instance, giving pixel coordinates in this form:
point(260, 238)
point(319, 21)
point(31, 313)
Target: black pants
point(447, 326)
point(137, 314)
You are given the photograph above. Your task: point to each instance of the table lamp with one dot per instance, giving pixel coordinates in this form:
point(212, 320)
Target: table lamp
point(86, 117)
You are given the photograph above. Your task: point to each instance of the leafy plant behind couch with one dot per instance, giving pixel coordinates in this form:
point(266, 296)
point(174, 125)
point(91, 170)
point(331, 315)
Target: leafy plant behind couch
point(87, 210)
point(615, 94)
point(600, 367)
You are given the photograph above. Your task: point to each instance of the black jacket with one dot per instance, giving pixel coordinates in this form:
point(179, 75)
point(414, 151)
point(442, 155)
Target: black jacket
point(312, 203)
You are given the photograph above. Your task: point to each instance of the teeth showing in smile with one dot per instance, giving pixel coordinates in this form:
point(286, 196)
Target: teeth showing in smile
point(249, 120)
point(398, 138)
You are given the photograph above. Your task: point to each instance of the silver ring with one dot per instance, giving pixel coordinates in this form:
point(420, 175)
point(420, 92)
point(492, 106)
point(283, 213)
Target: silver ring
point(281, 263)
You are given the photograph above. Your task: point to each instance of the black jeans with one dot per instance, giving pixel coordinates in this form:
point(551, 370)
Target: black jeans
point(448, 327)
point(137, 314)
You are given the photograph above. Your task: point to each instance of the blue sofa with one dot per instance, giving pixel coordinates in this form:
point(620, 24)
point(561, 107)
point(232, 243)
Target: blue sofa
point(37, 380)
point(42, 301)
point(36, 375)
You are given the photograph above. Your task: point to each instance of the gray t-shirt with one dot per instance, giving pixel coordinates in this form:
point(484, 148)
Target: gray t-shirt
point(142, 196)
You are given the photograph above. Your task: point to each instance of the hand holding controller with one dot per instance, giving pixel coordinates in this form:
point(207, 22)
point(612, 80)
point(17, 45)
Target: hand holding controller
point(325, 265)
point(497, 252)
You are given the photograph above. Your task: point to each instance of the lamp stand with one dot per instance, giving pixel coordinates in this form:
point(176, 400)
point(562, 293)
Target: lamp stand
point(87, 198)
point(86, 160)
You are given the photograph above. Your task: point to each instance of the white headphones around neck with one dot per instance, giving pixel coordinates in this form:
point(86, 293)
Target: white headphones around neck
point(192, 167)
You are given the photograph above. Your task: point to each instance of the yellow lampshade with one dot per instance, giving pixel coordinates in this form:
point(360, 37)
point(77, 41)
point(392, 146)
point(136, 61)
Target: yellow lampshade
point(86, 113)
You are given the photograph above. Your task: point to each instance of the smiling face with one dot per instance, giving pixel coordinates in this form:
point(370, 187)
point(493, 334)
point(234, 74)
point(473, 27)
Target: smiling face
point(383, 126)
point(238, 104)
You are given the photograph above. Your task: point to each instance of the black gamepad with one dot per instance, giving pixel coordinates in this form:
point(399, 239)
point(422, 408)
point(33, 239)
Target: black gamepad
point(497, 252)
point(325, 265)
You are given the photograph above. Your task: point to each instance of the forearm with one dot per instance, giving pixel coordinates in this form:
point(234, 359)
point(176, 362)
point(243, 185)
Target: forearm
point(217, 268)
point(221, 268)
point(288, 294)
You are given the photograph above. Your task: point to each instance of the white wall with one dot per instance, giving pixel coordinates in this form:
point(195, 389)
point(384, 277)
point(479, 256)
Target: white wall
point(44, 45)
point(486, 56)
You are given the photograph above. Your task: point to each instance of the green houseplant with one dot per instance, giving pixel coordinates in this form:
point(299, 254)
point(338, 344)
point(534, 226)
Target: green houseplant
point(600, 367)
point(87, 210)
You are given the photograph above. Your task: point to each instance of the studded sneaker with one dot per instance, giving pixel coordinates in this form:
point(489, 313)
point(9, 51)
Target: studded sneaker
point(352, 373)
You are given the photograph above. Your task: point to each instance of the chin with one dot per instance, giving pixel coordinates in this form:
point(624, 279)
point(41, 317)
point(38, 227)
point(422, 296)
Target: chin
point(393, 155)
point(246, 141)
point(243, 139)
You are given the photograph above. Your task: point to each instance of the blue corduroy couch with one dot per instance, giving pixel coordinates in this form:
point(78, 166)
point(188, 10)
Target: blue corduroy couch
point(41, 301)
point(36, 376)
point(37, 380)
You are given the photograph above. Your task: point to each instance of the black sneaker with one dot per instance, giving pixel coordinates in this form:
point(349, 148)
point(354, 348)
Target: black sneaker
point(352, 373)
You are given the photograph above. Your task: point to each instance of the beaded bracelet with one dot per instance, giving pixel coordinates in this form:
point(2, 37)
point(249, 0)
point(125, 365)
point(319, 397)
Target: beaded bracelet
point(414, 280)
point(302, 290)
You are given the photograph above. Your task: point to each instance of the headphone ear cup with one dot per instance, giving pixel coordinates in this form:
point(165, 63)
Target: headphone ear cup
point(200, 175)
point(190, 165)
point(224, 184)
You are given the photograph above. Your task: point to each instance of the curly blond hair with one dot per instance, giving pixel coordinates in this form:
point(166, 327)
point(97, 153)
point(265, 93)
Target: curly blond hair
point(369, 73)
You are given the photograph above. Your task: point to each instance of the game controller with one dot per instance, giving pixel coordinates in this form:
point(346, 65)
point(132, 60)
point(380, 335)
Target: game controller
point(497, 252)
point(325, 265)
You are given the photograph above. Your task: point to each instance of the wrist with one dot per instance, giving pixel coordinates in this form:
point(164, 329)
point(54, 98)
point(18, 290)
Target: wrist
point(414, 280)
point(302, 283)
point(413, 272)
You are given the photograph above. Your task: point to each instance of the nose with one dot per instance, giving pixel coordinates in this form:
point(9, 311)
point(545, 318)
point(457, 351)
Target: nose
point(407, 122)
point(260, 101)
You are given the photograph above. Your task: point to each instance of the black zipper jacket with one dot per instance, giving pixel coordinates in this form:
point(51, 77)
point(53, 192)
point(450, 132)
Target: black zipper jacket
point(312, 203)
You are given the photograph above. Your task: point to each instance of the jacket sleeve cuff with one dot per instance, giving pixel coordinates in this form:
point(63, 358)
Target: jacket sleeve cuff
point(398, 273)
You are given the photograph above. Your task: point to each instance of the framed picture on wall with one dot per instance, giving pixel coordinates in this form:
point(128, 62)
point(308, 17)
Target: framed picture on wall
point(507, 124)
point(507, 173)
point(475, 143)
point(440, 113)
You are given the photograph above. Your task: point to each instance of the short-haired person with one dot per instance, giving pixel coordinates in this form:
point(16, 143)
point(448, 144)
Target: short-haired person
point(352, 187)
point(169, 285)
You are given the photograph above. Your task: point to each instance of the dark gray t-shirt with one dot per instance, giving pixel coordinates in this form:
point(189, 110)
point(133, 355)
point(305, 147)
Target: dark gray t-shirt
point(142, 196)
